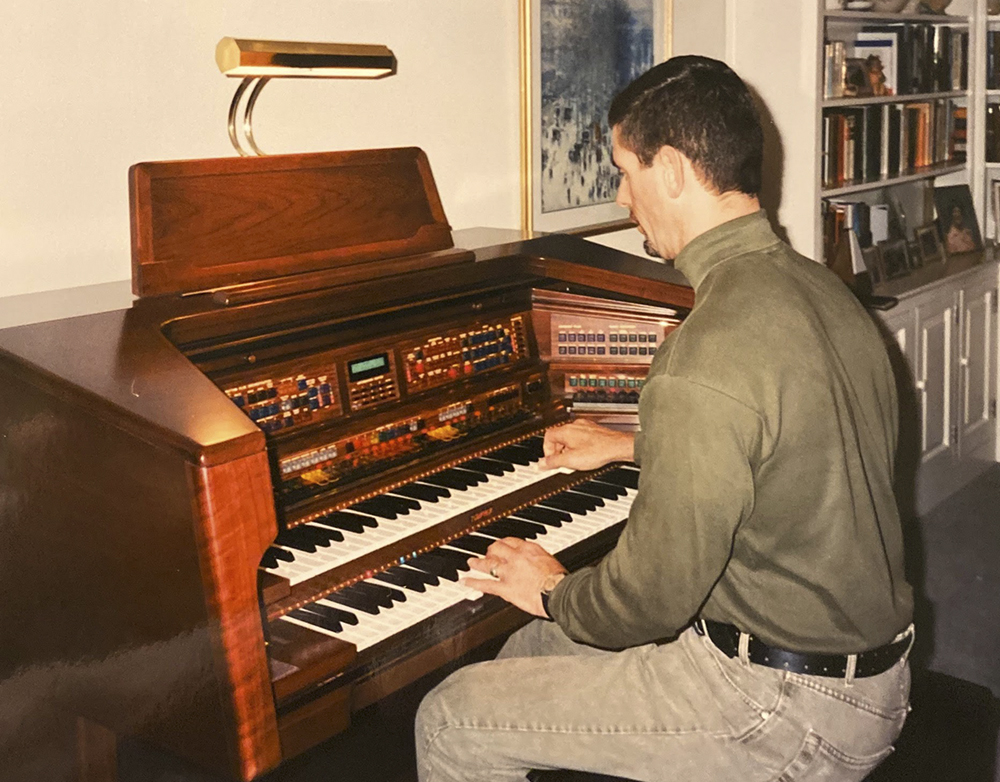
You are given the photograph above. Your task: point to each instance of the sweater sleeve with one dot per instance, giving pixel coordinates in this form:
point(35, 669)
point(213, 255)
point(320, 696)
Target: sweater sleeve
point(696, 451)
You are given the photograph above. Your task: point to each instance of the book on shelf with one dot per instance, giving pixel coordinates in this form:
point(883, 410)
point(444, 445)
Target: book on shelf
point(901, 58)
point(959, 134)
point(835, 64)
point(993, 59)
point(992, 133)
point(881, 141)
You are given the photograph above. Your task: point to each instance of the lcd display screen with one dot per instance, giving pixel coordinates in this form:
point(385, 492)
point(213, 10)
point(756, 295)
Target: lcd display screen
point(364, 368)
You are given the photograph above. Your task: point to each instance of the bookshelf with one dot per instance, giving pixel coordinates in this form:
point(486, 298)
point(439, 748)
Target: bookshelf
point(884, 151)
point(945, 322)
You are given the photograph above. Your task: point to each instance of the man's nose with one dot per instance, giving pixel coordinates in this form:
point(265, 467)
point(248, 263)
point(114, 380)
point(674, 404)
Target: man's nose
point(621, 198)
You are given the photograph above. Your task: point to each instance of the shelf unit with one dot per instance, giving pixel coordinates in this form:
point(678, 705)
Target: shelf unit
point(840, 25)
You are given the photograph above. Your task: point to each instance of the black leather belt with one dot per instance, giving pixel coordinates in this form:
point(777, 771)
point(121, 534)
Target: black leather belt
point(875, 661)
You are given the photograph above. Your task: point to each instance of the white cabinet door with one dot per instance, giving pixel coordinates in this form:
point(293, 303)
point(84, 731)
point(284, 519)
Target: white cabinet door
point(933, 375)
point(977, 369)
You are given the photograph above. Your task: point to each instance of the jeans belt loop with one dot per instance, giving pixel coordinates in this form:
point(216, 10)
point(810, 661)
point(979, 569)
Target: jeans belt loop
point(852, 665)
point(912, 632)
point(744, 648)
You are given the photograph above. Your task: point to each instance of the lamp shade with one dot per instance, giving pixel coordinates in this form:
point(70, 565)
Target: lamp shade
point(244, 57)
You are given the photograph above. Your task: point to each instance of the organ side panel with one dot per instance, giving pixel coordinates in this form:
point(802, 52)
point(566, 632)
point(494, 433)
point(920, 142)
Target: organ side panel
point(104, 549)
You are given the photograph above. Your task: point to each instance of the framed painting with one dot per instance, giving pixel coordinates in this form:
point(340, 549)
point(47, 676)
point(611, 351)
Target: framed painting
point(575, 57)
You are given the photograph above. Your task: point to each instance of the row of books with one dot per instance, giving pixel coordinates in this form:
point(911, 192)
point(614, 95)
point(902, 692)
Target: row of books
point(897, 59)
point(880, 141)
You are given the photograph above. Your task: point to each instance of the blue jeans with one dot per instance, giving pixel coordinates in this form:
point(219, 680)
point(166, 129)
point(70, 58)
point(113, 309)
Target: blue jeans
point(673, 711)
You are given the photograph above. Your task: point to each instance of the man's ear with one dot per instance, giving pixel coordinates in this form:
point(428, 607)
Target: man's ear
point(671, 165)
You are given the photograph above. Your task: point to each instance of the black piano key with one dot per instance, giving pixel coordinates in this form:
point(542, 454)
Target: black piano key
point(622, 476)
point(345, 521)
point(353, 600)
point(456, 558)
point(269, 560)
point(534, 444)
point(607, 490)
point(514, 528)
point(592, 500)
point(470, 477)
point(506, 465)
point(312, 534)
point(436, 565)
point(403, 502)
point(549, 516)
point(568, 502)
point(512, 453)
point(316, 620)
point(396, 595)
point(377, 506)
point(400, 578)
point(327, 533)
point(287, 538)
point(486, 466)
point(479, 475)
point(392, 594)
point(447, 481)
point(374, 592)
point(280, 553)
point(423, 491)
point(366, 519)
point(342, 616)
point(475, 544)
point(427, 578)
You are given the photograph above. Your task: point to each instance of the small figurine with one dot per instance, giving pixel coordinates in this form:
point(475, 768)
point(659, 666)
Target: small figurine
point(876, 76)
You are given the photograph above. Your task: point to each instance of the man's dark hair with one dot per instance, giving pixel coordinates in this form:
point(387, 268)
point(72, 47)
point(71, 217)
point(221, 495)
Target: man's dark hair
point(701, 108)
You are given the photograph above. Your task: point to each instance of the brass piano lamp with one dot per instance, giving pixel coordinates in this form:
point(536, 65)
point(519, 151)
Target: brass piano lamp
point(261, 61)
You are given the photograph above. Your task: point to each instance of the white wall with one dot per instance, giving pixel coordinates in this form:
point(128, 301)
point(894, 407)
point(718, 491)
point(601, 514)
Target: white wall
point(91, 88)
point(774, 48)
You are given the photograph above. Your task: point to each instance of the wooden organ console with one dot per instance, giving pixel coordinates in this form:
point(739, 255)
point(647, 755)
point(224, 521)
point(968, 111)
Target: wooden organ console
point(235, 513)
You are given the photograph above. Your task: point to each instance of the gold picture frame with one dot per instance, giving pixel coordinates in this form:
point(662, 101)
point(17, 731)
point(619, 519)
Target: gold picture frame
point(586, 208)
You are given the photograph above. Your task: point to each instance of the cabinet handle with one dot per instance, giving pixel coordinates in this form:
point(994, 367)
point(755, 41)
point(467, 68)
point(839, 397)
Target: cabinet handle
point(921, 385)
point(964, 361)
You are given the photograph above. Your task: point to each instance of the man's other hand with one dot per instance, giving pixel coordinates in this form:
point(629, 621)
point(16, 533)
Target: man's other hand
point(584, 445)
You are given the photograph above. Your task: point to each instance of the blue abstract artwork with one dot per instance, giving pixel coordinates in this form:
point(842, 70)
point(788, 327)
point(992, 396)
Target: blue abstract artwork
point(590, 50)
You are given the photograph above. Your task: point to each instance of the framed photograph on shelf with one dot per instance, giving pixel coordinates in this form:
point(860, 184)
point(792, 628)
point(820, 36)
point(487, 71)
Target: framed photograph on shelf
point(873, 262)
point(895, 257)
point(956, 219)
point(575, 57)
point(857, 81)
point(929, 245)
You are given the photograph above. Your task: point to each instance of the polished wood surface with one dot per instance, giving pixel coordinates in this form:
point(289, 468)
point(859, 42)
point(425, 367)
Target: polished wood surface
point(200, 224)
point(138, 499)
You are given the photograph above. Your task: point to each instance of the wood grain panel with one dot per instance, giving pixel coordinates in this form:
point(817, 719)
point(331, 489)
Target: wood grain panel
point(237, 525)
point(208, 223)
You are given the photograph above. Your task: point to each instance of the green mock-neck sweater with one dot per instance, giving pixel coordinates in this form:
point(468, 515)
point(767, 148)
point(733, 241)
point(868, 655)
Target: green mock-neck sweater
point(768, 428)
